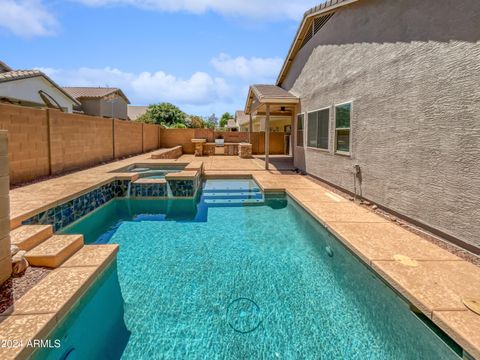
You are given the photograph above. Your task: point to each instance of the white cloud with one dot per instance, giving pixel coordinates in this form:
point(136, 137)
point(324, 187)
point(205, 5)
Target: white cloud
point(27, 18)
point(259, 9)
point(254, 68)
point(199, 89)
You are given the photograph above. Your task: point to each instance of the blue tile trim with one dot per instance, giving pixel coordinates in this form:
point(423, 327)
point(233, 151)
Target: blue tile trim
point(66, 213)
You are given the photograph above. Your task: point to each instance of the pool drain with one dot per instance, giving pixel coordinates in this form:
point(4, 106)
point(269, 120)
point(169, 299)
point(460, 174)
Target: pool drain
point(243, 315)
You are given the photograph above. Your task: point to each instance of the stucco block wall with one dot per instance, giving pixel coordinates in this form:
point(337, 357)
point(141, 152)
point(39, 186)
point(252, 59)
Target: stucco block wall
point(5, 259)
point(173, 137)
point(78, 141)
point(128, 138)
point(151, 137)
point(28, 147)
point(44, 142)
point(412, 70)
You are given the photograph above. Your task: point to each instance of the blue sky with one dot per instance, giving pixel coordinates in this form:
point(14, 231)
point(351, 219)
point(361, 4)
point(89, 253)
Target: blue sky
point(198, 54)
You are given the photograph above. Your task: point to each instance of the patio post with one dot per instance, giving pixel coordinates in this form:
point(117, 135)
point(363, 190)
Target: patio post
point(267, 136)
point(250, 128)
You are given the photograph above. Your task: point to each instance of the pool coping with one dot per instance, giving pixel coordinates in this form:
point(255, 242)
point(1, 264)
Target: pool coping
point(431, 297)
point(36, 314)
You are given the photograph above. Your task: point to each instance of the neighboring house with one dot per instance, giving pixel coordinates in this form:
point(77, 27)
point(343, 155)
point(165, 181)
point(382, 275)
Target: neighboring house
point(389, 106)
point(134, 112)
point(232, 125)
point(242, 120)
point(32, 88)
point(100, 101)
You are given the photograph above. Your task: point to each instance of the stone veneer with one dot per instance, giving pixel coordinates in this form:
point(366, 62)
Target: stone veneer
point(5, 259)
point(245, 150)
point(230, 149)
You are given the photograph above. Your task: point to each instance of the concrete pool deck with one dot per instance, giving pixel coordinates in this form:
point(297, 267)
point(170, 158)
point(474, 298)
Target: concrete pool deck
point(433, 280)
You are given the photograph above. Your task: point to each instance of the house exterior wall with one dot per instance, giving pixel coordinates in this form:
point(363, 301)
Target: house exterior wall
point(103, 107)
point(91, 107)
point(411, 70)
point(120, 108)
point(27, 90)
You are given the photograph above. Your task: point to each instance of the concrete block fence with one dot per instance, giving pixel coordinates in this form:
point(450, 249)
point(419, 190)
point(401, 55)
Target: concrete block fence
point(44, 142)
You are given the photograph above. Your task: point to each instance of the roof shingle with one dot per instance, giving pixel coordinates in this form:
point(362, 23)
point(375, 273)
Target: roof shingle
point(271, 91)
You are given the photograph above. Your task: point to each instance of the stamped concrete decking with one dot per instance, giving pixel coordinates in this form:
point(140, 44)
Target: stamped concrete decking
point(434, 280)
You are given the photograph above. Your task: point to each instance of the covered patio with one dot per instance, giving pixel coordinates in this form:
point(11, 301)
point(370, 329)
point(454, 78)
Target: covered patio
point(269, 105)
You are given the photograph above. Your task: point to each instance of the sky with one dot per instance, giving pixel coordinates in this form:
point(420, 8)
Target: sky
point(200, 55)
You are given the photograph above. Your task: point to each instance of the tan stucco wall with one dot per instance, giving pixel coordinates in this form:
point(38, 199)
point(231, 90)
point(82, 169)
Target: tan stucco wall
point(151, 137)
point(28, 147)
point(412, 70)
point(78, 142)
point(5, 259)
point(174, 137)
point(128, 138)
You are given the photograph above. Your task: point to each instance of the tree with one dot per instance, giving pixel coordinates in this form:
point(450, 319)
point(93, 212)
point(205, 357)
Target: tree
point(165, 114)
point(213, 119)
point(224, 119)
point(196, 121)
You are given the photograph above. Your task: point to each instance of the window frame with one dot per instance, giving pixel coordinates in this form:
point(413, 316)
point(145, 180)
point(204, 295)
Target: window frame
point(328, 133)
point(296, 130)
point(335, 129)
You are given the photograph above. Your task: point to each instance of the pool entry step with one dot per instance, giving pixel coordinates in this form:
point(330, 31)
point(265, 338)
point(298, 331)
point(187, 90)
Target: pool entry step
point(228, 192)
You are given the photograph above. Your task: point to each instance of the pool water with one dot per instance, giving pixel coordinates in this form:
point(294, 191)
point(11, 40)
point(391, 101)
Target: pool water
point(229, 281)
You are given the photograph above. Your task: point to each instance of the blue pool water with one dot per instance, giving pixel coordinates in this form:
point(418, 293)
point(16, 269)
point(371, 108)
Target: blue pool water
point(229, 281)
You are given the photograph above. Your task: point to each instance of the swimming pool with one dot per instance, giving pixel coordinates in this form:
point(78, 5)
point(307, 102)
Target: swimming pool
point(229, 281)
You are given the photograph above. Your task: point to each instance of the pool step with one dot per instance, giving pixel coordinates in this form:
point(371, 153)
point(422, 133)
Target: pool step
point(233, 195)
point(247, 190)
point(55, 250)
point(26, 237)
point(233, 202)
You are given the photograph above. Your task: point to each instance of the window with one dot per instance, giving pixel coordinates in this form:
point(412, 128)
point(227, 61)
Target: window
point(300, 127)
point(342, 127)
point(318, 128)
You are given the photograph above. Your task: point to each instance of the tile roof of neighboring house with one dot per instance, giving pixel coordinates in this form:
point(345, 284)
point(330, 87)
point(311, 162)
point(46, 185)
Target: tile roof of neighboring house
point(305, 25)
point(93, 92)
point(19, 74)
point(241, 117)
point(25, 74)
point(134, 112)
point(4, 67)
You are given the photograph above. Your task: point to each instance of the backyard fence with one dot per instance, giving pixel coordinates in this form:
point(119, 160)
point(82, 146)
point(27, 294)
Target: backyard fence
point(174, 137)
point(45, 142)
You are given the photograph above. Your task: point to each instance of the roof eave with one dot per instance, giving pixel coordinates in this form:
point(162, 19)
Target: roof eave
point(309, 14)
point(41, 74)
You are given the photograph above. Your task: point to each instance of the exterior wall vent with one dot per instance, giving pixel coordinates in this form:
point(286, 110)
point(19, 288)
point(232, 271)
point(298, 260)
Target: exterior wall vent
point(315, 27)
